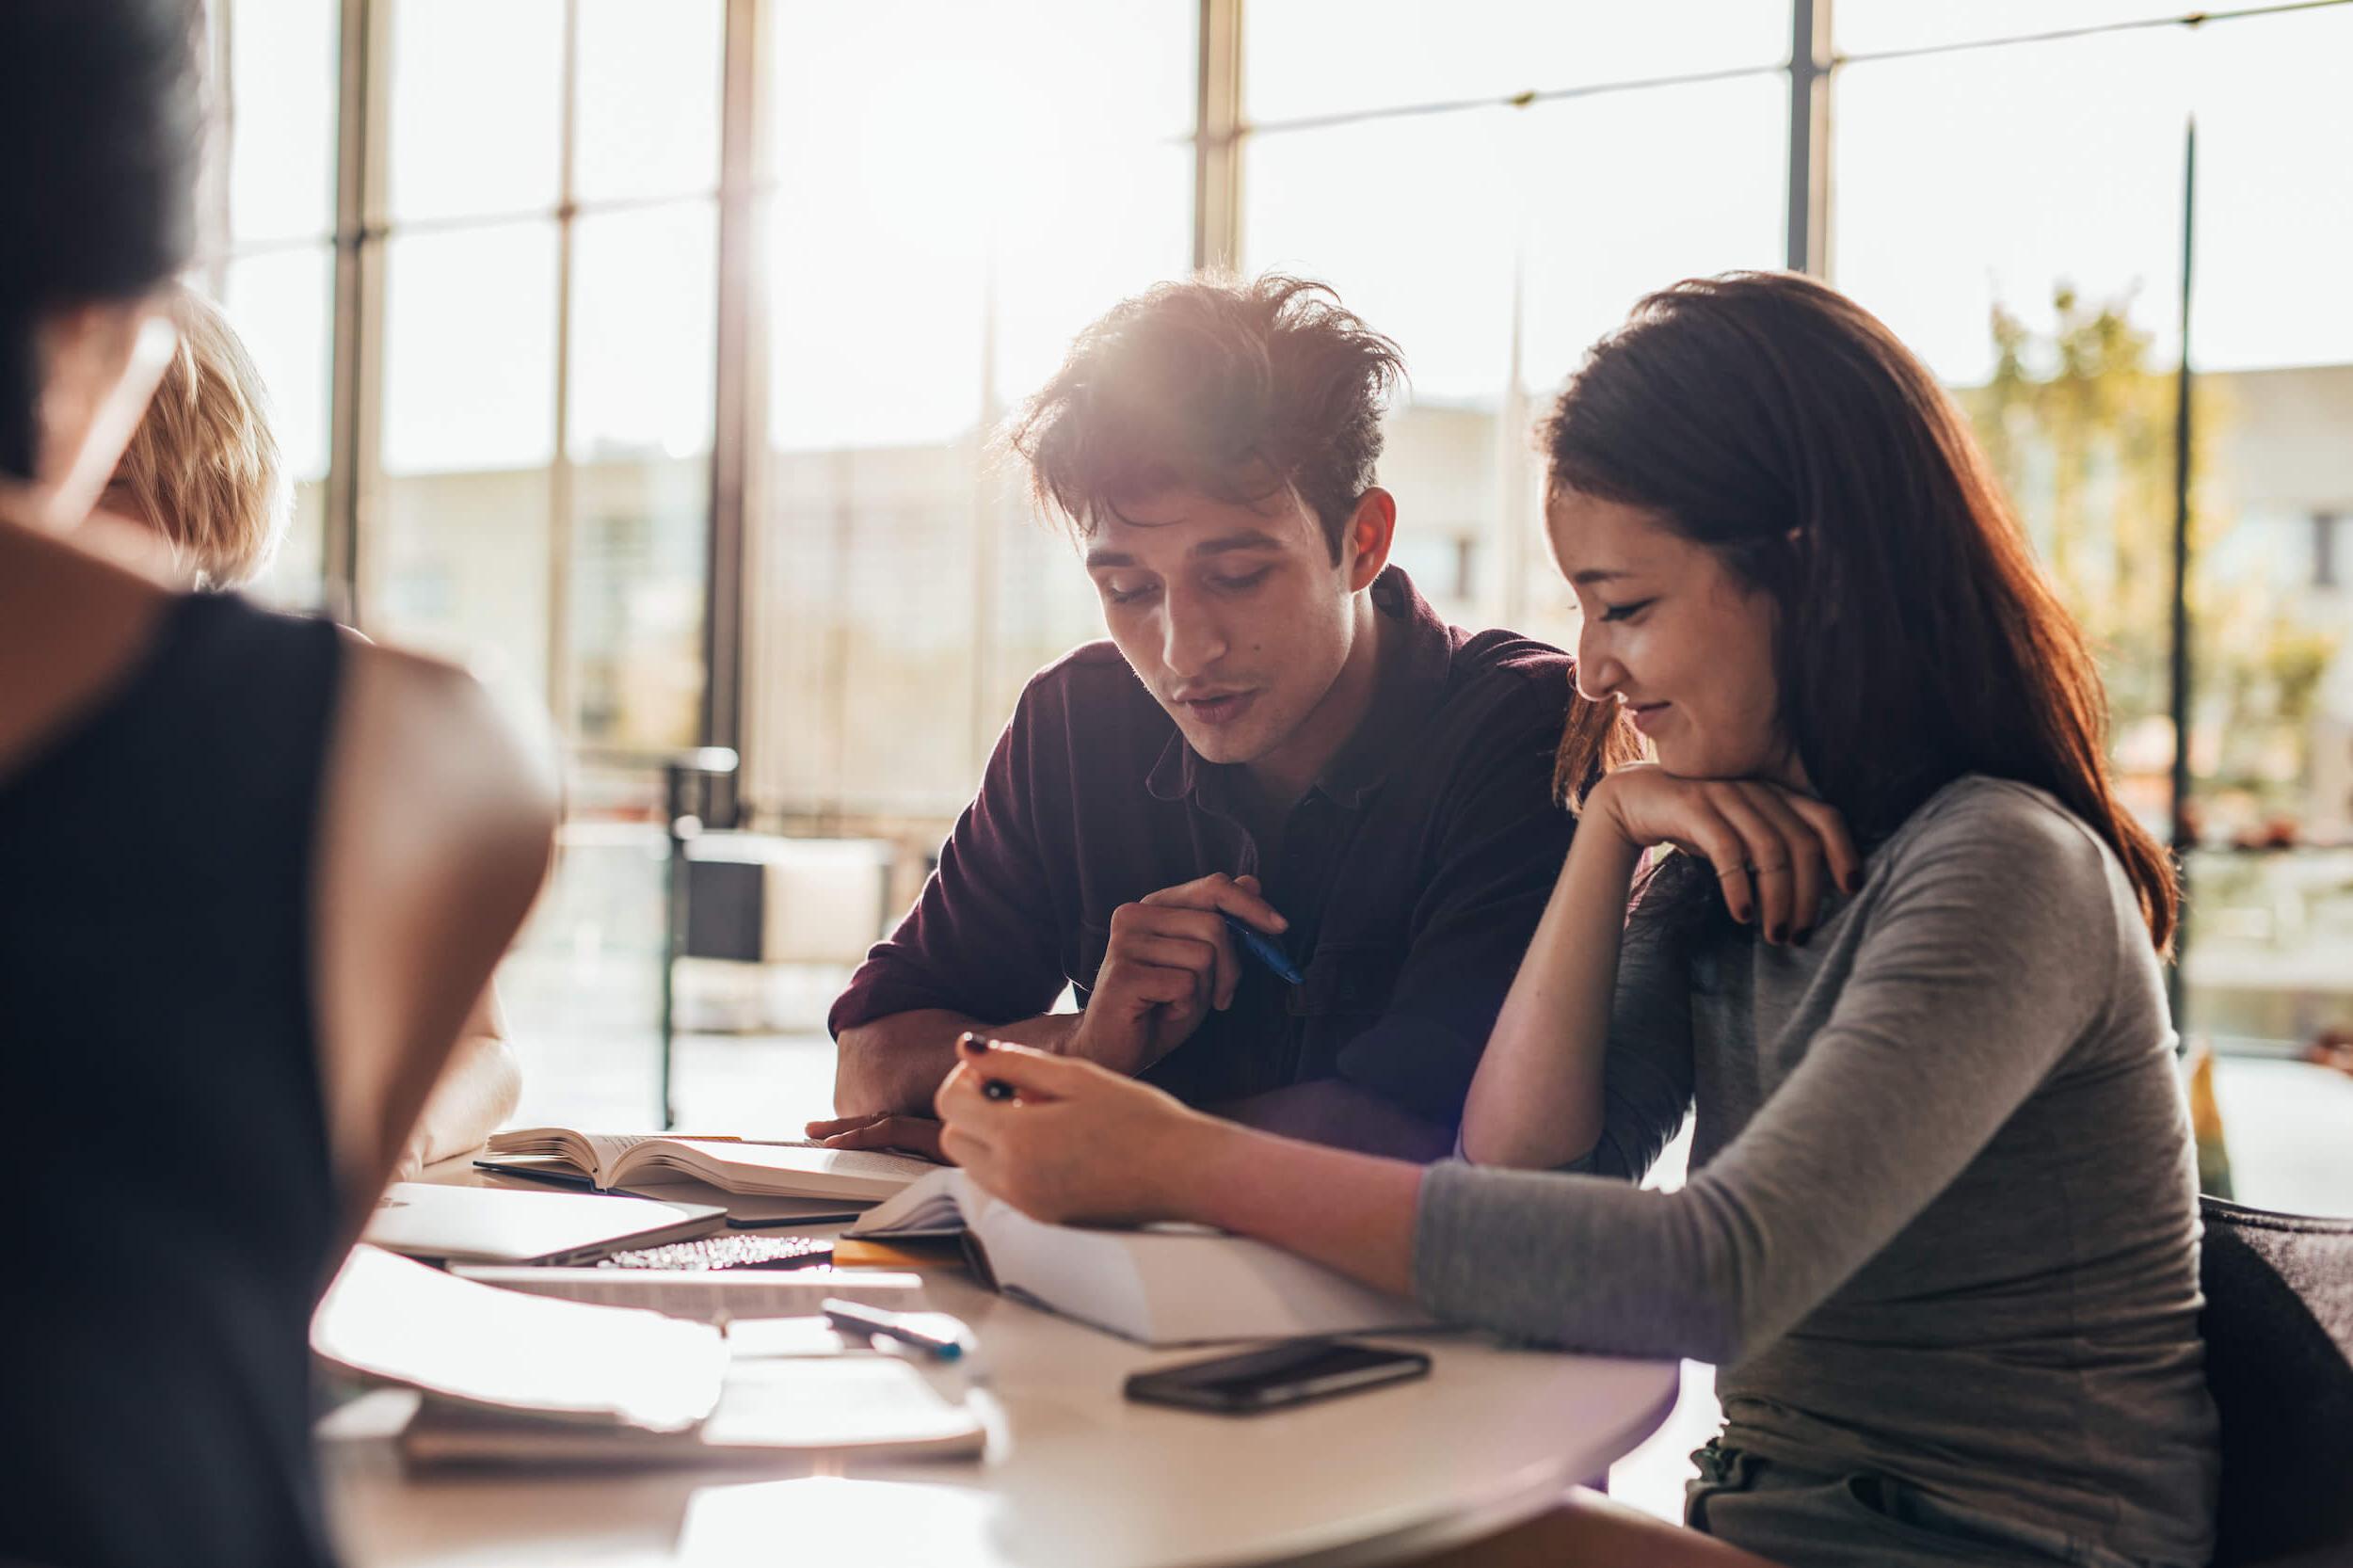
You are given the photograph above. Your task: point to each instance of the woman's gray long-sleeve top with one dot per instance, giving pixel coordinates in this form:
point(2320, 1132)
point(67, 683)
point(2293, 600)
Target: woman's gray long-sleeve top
point(1942, 1220)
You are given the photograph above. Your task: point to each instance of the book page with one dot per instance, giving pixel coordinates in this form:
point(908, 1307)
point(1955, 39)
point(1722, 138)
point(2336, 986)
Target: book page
point(386, 1317)
point(931, 1207)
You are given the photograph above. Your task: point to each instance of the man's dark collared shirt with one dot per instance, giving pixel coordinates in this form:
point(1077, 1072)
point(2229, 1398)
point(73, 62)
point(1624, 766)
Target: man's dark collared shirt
point(1412, 871)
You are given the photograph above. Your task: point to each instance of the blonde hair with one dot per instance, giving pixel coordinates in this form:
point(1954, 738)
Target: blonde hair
point(203, 467)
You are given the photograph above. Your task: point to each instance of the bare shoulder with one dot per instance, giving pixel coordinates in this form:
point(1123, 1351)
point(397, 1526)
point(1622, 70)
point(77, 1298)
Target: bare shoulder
point(418, 736)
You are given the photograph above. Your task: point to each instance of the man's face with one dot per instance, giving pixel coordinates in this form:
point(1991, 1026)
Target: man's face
point(1234, 616)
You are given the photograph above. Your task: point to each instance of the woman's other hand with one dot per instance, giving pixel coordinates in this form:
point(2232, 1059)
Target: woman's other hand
point(1069, 1142)
point(1775, 851)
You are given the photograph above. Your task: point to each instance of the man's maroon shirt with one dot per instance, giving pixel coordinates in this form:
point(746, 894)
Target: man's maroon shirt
point(1412, 871)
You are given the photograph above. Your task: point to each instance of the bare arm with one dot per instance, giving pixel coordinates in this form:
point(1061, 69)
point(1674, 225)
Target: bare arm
point(436, 826)
point(1537, 1097)
point(477, 1091)
point(894, 1065)
point(1083, 1144)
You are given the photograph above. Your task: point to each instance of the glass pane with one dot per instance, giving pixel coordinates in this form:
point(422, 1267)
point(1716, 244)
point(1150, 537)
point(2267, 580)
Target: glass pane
point(2271, 734)
point(643, 330)
point(582, 985)
point(1414, 221)
point(649, 110)
point(1131, 201)
point(1307, 57)
point(281, 304)
point(639, 528)
point(1964, 182)
point(1631, 192)
point(922, 284)
point(1867, 27)
point(476, 108)
point(283, 76)
point(645, 310)
point(1626, 194)
point(457, 548)
point(1333, 204)
point(470, 349)
point(889, 241)
point(296, 578)
point(2023, 233)
point(1045, 603)
point(867, 618)
point(458, 566)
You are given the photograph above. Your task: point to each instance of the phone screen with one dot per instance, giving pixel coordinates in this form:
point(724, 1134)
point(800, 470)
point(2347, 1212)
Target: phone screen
point(1284, 1374)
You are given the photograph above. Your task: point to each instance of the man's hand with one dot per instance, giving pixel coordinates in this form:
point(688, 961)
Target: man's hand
point(1170, 964)
point(896, 1132)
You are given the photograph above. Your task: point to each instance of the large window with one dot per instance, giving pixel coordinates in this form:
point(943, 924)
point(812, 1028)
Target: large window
point(269, 220)
point(952, 190)
point(549, 223)
point(2018, 211)
point(482, 254)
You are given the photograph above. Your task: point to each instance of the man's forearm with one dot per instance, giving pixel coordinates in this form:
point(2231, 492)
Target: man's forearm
point(895, 1064)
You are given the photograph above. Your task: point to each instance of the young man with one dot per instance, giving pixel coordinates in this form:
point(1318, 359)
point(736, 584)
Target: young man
point(1279, 731)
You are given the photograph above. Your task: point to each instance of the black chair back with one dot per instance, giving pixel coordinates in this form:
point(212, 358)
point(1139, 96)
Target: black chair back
point(2279, 1334)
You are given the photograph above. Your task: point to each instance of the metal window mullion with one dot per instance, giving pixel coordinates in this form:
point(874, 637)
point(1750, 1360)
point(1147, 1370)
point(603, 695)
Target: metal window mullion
point(216, 230)
point(1217, 137)
point(987, 537)
point(358, 310)
point(562, 699)
point(735, 401)
point(1810, 58)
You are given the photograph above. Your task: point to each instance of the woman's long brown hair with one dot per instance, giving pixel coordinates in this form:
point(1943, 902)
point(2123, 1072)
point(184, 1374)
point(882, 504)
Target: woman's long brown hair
point(1780, 424)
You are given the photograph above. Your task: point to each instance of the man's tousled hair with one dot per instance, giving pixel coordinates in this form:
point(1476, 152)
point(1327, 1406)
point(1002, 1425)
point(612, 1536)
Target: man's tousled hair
point(1237, 390)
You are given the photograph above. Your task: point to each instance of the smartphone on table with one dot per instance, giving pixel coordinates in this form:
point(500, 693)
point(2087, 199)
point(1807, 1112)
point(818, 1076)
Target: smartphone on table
point(1279, 1375)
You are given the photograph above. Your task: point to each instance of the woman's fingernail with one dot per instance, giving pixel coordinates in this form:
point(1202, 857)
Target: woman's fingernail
point(1778, 935)
point(1802, 938)
point(971, 1042)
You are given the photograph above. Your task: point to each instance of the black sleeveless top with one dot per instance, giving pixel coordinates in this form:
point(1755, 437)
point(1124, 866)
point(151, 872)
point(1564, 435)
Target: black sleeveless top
point(171, 1209)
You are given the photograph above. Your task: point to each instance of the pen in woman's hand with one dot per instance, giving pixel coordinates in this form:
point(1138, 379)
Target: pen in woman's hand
point(991, 1088)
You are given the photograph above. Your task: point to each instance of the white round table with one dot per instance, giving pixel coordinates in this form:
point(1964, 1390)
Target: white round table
point(1075, 1475)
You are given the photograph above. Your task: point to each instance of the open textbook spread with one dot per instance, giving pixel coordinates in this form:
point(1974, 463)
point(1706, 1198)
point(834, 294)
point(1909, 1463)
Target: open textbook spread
point(1161, 1284)
point(613, 1159)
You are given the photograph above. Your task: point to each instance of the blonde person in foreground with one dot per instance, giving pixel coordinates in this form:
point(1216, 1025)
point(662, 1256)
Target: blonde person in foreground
point(203, 471)
point(1901, 950)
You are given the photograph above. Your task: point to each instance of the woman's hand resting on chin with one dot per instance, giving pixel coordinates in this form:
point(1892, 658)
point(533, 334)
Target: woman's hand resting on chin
point(1073, 1142)
point(1775, 849)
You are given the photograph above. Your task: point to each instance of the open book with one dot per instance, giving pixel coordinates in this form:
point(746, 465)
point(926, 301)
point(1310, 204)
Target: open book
point(1161, 1285)
point(611, 1160)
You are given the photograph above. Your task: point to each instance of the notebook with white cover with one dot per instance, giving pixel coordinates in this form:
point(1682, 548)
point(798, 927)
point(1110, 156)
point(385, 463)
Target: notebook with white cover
point(863, 1407)
point(1161, 1284)
point(705, 1295)
point(491, 1225)
point(769, 1170)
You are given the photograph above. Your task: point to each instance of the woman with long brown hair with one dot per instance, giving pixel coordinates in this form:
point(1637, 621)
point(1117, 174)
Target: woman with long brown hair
point(1901, 950)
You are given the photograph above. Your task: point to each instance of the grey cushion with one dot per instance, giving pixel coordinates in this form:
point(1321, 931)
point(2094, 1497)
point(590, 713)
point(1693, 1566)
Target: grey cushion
point(2278, 1333)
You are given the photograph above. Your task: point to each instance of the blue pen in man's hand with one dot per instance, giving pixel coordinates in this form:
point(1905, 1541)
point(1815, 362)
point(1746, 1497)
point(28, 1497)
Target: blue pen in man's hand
point(1256, 943)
